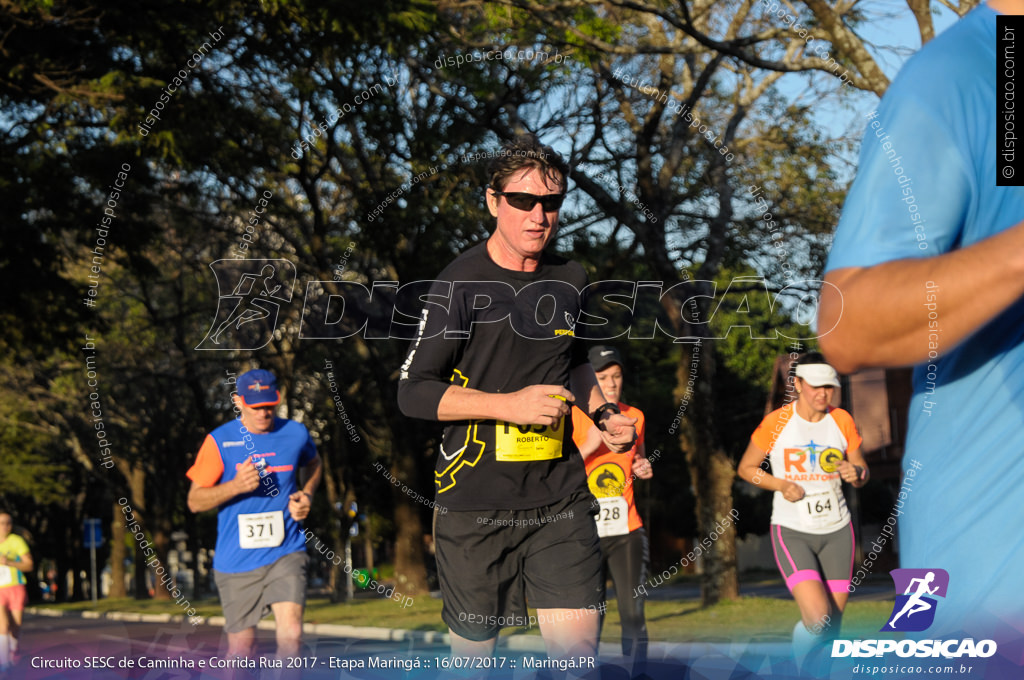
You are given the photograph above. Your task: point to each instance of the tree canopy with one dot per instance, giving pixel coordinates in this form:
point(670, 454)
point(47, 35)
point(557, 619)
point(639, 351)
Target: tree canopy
point(145, 144)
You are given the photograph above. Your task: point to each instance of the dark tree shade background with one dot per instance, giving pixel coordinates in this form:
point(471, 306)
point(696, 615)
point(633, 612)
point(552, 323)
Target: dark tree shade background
point(177, 119)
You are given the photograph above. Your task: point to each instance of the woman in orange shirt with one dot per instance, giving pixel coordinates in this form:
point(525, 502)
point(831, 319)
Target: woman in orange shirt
point(610, 477)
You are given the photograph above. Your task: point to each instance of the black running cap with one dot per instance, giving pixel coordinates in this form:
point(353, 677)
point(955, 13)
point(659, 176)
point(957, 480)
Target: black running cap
point(603, 356)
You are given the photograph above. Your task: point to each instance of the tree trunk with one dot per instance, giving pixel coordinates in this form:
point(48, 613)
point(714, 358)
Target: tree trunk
point(141, 584)
point(410, 566)
point(368, 547)
point(400, 441)
point(712, 474)
point(161, 546)
point(137, 496)
point(117, 553)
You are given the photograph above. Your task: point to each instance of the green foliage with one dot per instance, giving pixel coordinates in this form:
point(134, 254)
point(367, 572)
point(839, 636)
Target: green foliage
point(76, 85)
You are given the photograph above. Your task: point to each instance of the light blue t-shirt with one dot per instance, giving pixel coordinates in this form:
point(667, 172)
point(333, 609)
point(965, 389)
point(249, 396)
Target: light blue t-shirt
point(926, 185)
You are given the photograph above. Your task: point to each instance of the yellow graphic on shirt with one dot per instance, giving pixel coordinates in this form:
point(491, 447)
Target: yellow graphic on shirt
point(607, 480)
point(830, 459)
point(470, 453)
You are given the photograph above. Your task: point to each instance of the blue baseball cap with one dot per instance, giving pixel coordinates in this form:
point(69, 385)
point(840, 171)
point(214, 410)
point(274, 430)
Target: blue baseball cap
point(258, 387)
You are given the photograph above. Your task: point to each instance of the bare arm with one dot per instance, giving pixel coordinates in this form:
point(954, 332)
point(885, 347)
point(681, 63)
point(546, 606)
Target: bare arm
point(878, 315)
point(854, 469)
point(300, 502)
point(750, 470)
point(203, 498)
point(592, 443)
point(22, 563)
point(641, 466)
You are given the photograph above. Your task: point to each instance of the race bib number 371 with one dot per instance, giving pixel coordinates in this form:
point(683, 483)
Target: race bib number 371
point(261, 530)
point(519, 443)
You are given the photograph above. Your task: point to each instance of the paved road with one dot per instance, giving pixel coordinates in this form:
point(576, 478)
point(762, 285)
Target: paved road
point(153, 646)
point(80, 648)
point(72, 647)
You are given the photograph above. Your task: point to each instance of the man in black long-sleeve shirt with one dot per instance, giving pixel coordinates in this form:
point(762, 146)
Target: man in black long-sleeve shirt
point(500, 364)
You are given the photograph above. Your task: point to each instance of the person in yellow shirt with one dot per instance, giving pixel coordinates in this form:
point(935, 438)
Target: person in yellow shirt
point(15, 560)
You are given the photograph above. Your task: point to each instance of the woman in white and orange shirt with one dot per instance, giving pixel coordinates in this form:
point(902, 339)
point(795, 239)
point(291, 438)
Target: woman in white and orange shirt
point(812, 448)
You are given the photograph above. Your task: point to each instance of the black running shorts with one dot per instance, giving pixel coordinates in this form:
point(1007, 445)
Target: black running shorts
point(493, 563)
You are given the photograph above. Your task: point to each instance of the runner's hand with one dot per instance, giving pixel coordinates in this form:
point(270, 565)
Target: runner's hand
point(539, 405)
point(619, 433)
point(848, 471)
point(642, 468)
point(792, 491)
point(247, 478)
point(299, 505)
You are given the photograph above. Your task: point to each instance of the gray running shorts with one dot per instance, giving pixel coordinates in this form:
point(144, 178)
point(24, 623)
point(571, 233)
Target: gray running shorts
point(246, 596)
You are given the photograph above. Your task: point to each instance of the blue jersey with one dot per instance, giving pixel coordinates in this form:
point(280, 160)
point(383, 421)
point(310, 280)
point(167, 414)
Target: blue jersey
point(255, 529)
point(926, 185)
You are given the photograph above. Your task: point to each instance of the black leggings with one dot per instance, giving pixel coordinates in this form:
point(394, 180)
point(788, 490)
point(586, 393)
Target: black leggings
point(625, 558)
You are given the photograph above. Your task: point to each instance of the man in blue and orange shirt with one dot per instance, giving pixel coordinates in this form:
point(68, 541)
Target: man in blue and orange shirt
point(247, 469)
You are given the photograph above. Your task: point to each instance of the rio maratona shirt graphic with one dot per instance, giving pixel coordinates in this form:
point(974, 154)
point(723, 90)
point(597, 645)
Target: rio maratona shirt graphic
point(914, 610)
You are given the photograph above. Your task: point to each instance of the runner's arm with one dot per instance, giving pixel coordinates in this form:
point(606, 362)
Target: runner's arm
point(22, 563)
point(533, 405)
point(425, 390)
point(313, 471)
point(750, 470)
point(877, 315)
point(301, 502)
point(203, 498)
point(642, 467)
point(619, 432)
point(591, 442)
point(854, 469)
point(430, 387)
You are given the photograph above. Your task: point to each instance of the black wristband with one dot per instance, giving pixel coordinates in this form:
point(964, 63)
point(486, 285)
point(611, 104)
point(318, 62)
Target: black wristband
point(600, 411)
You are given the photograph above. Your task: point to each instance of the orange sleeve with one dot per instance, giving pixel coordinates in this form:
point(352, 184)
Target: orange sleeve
point(641, 424)
point(849, 428)
point(209, 466)
point(765, 435)
point(581, 423)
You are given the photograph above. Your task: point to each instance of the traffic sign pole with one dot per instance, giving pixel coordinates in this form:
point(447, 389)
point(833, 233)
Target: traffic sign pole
point(93, 538)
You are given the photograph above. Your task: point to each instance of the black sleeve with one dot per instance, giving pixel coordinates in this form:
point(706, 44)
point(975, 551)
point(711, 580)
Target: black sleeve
point(580, 348)
point(426, 373)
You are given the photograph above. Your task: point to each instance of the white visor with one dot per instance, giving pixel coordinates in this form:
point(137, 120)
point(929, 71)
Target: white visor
point(817, 375)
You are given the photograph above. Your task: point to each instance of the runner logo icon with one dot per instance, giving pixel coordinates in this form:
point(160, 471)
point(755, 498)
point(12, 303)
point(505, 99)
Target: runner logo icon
point(250, 297)
point(914, 610)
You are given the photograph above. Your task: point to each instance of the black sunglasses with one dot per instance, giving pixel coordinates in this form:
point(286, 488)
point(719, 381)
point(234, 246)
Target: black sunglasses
point(523, 201)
